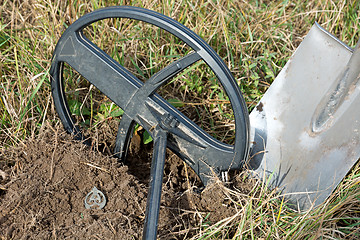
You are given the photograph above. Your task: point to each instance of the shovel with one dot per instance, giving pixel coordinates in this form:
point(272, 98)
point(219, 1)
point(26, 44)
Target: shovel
point(305, 131)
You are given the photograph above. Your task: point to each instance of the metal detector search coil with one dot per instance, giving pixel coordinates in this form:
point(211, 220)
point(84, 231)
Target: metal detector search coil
point(142, 105)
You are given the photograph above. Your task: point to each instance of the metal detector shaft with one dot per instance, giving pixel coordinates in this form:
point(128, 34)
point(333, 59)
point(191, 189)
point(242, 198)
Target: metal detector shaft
point(156, 179)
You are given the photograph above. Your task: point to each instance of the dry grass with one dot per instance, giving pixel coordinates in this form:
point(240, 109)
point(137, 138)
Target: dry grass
point(255, 39)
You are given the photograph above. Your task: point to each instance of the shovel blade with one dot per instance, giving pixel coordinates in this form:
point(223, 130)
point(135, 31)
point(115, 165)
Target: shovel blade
point(306, 165)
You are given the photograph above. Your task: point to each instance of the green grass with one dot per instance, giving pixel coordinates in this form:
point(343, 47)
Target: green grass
point(254, 38)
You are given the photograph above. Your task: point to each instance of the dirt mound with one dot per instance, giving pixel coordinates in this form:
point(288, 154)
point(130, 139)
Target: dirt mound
point(45, 181)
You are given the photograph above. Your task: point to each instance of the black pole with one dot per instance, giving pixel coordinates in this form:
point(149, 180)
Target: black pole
point(156, 178)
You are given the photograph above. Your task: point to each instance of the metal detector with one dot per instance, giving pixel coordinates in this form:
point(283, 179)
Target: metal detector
point(141, 104)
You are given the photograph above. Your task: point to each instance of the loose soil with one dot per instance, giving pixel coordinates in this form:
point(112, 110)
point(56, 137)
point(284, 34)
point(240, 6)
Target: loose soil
point(44, 182)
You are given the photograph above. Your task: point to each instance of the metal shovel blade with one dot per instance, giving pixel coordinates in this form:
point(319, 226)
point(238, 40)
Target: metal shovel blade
point(305, 131)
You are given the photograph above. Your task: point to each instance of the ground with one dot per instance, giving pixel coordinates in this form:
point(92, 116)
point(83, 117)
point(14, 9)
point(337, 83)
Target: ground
point(46, 180)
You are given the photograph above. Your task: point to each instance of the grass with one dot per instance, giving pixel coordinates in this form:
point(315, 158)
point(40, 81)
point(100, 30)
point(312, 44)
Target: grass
point(254, 38)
